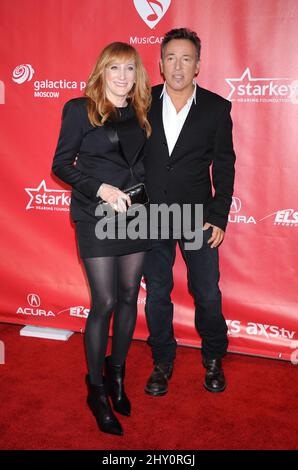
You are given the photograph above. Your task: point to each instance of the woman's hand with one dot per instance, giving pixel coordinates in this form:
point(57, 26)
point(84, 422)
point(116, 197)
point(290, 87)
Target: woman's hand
point(114, 196)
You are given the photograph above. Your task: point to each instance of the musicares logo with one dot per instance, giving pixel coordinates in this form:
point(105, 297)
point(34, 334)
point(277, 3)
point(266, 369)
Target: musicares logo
point(151, 11)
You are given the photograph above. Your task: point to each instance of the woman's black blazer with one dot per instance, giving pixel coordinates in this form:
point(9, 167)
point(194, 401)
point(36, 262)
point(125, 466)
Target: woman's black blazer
point(88, 156)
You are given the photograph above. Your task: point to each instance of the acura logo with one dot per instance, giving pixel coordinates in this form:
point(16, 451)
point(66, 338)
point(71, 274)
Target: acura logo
point(236, 205)
point(33, 300)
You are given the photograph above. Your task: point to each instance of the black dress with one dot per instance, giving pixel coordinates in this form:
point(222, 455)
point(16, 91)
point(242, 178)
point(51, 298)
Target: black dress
point(86, 157)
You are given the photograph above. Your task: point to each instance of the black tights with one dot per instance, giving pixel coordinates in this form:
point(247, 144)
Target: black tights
point(114, 284)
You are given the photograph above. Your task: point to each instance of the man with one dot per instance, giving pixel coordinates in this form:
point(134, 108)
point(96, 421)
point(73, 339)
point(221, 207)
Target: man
point(191, 130)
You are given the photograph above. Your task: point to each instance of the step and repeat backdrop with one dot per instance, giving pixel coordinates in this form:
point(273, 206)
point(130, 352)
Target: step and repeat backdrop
point(249, 56)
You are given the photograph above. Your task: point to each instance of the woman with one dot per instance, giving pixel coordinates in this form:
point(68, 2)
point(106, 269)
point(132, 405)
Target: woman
point(99, 153)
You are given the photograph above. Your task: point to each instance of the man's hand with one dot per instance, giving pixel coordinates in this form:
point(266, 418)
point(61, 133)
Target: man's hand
point(114, 196)
point(217, 235)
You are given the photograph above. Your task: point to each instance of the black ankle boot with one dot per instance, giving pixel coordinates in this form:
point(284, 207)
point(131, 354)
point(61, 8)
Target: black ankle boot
point(100, 406)
point(115, 387)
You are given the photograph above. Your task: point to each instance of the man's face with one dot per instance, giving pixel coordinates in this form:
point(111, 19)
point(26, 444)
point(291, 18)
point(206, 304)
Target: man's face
point(179, 64)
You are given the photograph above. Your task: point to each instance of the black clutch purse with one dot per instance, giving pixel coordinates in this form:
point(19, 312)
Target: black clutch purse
point(138, 196)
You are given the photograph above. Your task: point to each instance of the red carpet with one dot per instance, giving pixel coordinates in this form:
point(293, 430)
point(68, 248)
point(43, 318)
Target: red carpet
point(43, 401)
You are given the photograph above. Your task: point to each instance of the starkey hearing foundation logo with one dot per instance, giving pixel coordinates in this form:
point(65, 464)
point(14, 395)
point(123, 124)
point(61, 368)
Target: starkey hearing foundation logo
point(44, 199)
point(249, 89)
point(152, 11)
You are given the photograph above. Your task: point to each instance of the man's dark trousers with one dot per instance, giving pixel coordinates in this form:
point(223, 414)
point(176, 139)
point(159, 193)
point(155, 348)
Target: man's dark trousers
point(203, 278)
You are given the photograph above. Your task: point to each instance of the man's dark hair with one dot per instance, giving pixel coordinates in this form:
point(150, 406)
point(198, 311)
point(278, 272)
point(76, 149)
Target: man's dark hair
point(182, 33)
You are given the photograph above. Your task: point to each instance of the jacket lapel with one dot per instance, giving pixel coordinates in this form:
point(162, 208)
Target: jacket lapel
point(132, 142)
point(111, 133)
point(155, 117)
point(132, 148)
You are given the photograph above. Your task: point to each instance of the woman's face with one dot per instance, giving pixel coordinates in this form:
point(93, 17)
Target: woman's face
point(119, 79)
